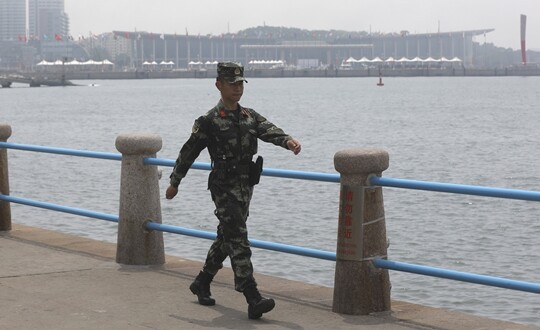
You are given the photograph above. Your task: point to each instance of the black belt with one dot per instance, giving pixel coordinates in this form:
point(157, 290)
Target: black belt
point(232, 167)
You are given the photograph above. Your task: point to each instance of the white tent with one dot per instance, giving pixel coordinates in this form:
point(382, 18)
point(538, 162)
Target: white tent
point(404, 60)
point(74, 62)
point(430, 60)
point(166, 64)
point(195, 65)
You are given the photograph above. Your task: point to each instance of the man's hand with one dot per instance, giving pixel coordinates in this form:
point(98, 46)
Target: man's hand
point(171, 192)
point(294, 146)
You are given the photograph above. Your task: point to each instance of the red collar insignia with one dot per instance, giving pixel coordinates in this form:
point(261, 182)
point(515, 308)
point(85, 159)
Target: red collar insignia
point(222, 113)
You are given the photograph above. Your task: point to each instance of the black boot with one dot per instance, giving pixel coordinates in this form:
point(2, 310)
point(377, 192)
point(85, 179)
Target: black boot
point(257, 304)
point(201, 288)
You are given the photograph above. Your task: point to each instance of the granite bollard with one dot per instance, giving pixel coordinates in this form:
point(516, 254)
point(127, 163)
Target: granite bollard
point(359, 287)
point(5, 207)
point(139, 202)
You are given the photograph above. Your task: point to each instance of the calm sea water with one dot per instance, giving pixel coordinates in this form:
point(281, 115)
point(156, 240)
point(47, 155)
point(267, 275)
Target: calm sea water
point(480, 131)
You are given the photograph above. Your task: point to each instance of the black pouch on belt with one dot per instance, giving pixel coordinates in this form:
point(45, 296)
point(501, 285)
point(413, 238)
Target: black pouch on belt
point(255, 170)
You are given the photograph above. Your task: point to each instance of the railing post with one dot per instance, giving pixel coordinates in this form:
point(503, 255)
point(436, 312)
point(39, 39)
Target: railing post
point(139, 202)
point(359, 287)
point(5, 207)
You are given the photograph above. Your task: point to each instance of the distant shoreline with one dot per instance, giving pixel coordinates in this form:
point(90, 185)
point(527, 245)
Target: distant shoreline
point(517, 71)
point(336, 73)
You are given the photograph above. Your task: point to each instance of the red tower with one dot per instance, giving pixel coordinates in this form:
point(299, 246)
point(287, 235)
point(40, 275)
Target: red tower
point(523, 30)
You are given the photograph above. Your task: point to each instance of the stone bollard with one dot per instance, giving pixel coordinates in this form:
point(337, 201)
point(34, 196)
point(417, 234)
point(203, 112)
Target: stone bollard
point(5, 207)
point(359, 287)
point(139, 202)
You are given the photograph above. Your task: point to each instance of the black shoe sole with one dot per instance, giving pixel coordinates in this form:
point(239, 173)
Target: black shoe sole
point(256, 311)
point(203, 301)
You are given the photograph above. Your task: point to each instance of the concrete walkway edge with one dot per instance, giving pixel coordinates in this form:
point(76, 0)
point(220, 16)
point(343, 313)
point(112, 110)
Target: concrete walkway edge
point(51, 280)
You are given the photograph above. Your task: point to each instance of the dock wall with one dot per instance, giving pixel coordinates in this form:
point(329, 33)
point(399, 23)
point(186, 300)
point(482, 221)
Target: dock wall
point(336, 73)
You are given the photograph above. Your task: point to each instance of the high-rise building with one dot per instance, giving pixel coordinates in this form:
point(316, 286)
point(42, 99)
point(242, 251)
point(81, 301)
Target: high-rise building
point(47, 19)
point(12, 20)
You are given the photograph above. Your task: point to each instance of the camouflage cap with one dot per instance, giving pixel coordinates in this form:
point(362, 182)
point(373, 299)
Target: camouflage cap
point(231, 72)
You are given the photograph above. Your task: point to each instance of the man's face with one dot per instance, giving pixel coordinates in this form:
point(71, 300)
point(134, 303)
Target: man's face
point(231, 92)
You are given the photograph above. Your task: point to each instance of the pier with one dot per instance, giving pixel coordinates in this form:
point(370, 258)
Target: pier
point(375, 72)
point(33, 80)
point(53, 280)
point(54, 277)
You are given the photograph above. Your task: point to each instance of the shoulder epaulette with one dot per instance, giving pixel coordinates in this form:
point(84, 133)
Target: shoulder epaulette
point(246, 112)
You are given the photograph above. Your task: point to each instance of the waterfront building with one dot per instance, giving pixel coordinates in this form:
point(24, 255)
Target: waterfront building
point(115, 46)
point(12, 20)
point(394, 45)
point(326, 52)
point(47, 35)
point(47, 20)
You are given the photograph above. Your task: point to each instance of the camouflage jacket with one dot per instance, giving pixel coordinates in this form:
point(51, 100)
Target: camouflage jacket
point(228, 135)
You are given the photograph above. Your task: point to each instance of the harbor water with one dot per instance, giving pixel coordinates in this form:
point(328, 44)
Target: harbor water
point(468, 130)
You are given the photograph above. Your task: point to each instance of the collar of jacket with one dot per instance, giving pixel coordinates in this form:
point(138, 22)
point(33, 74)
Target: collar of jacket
point(224, 112)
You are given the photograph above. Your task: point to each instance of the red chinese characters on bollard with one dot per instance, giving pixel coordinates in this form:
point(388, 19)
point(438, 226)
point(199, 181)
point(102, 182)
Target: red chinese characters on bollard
point(349, 245)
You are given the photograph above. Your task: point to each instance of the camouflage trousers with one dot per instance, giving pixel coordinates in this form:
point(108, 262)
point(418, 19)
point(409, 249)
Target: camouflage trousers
point(232, 238)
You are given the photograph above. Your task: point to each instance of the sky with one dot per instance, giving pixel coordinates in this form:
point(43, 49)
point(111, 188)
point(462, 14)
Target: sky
point(387, 16)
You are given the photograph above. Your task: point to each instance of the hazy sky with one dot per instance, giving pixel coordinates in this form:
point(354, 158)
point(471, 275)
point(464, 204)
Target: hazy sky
point(216, 17)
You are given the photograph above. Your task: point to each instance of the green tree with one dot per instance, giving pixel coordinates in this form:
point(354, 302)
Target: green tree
point(99, 53)
point(123, 60)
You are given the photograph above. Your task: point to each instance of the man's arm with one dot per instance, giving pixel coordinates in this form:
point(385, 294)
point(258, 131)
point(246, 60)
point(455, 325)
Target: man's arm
point(268, 132)
point(189, 152)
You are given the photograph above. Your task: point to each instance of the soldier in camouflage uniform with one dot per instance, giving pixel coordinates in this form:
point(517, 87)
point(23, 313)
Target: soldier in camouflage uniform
point(230, 133)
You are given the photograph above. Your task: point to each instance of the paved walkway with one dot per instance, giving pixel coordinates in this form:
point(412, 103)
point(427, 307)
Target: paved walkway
point(50, 280)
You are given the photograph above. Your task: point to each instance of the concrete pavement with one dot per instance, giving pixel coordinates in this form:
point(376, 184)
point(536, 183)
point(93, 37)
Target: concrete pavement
point(50, 280)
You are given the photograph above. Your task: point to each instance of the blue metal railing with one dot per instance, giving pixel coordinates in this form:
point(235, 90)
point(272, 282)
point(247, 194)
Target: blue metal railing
point(296, 250)
point(290, 174)
point(59, 208)
point(62, 151)
point(456, 188)
point(314, 176)
point(291, 249)
point(458, 276)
